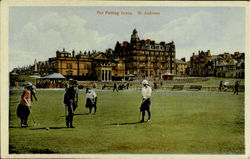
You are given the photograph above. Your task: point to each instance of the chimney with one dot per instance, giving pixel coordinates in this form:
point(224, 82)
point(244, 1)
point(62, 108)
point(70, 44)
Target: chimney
point(73, 53)
point(57, 53)
point(208, 53)
point(63, 49)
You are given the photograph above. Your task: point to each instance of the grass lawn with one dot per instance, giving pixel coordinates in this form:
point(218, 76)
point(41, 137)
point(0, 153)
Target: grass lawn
point(182, 122)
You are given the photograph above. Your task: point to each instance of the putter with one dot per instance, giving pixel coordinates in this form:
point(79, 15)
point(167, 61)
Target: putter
point(33, 121)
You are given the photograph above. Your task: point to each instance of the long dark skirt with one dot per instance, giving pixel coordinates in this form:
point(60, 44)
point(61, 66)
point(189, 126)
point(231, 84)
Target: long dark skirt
point(23, 113)
point(145, 105)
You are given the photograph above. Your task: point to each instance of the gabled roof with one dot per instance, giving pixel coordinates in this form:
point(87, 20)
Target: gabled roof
point(53, 76)
point(216, 57)
point(179, 61)
point(101, 55)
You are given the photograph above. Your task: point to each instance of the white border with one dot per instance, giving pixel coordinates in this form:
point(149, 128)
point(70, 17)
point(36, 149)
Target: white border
point(4, 98)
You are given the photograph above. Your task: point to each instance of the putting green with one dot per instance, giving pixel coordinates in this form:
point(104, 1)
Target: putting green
point(182, 122)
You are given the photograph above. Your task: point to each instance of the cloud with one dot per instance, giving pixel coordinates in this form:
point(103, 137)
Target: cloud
point(201, 31)
point(51, 32)
point(20, 58)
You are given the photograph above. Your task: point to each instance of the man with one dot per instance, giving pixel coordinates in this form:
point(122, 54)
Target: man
point(24, 106)
point(94, 85)
point(115, 87)
point(75, 104)
point(236, 87)
point(91, 100)
point(155, 85)
point(220, 86)
point(146, 100)
point(33, 92)
point(69, 100)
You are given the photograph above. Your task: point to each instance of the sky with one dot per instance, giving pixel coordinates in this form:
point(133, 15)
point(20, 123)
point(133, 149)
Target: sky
point(37, 32)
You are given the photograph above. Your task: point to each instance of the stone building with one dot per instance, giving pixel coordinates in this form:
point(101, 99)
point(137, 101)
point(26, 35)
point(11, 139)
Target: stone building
point(230, 65)
point(146, 58)
point(87, 66)
point(181, 67)
point(72, 64)
point(201, 65)
point(222, 65)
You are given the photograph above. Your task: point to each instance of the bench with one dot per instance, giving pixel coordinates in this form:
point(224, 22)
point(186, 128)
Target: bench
point(107, 87)
point(178, 87)
point(195, 87)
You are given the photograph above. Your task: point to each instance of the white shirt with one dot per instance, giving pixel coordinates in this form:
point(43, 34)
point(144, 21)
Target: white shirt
point(146, 92)
point(91, 94)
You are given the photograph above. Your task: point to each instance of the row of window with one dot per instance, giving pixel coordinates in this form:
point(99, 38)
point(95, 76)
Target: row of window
point(153, 47)
point(82, 66)
point(152, 53)
point(147, 72)
point(151, 58)
point(151, 64)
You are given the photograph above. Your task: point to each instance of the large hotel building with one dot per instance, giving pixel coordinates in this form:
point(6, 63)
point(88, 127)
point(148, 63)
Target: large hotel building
point(137, 59)
point(146, 58)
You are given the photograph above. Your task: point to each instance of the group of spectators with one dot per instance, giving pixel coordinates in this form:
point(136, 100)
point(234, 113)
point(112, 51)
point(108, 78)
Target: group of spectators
point(50, 84)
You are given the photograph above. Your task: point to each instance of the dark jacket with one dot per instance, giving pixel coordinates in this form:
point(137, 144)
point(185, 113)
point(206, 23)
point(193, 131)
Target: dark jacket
point(70, 95)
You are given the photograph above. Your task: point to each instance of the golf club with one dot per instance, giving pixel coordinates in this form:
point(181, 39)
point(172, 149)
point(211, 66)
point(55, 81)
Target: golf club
point(33, 121)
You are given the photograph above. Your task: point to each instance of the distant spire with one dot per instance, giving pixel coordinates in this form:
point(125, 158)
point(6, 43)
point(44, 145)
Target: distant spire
point(134, 37)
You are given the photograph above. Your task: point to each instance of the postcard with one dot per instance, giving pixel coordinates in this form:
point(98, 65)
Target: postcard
point(122, 79)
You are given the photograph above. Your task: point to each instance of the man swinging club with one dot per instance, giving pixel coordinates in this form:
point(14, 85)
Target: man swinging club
point(146, 100)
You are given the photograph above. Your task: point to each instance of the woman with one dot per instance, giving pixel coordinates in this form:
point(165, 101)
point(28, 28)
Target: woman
point(91, 100)
point(24, 106)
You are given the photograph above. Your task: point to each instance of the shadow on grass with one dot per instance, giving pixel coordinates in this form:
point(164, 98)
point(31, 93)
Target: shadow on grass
point(43, 151)
point(76, 114)
point(82, 114)
point(14, 126)
point(45, 128)
point(13, 150)
point(130, 123)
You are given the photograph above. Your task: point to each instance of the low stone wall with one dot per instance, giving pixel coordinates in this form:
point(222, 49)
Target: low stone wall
point(206, 88)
